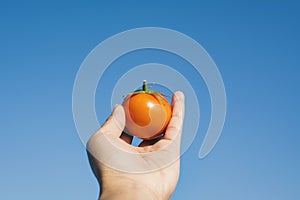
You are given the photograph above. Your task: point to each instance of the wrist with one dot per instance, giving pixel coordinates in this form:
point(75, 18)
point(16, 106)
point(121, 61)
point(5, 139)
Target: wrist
point(128, 192)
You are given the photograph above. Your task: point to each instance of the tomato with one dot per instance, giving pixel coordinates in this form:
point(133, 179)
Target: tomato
point(147, 113)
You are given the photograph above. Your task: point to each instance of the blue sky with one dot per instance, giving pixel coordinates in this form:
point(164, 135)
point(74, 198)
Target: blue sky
point(255, 45)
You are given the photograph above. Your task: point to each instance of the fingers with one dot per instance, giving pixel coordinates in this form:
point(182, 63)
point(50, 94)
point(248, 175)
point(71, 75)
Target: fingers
point(174, 128)
point(127, 138)
point(110, 131)
point(115, 124)
point(175, 125)
point(148, 142)
point(172, 136)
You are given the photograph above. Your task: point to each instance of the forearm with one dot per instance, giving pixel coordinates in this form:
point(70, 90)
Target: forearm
point(129, 193)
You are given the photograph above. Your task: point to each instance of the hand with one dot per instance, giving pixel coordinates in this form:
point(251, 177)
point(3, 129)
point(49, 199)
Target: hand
point(150, 171)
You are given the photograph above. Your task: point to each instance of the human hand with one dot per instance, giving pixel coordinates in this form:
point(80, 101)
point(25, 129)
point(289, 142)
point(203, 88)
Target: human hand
point(149, 171)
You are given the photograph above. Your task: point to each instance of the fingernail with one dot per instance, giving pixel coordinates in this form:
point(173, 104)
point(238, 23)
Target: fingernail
point(179, 95)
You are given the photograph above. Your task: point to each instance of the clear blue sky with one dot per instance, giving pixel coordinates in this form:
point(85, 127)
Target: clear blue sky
point(254, 43)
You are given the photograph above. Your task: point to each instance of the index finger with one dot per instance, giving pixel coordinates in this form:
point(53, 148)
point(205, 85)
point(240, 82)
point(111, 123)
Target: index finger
point(175, 125)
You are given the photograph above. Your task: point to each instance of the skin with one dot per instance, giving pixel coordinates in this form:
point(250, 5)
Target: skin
point(155, 185)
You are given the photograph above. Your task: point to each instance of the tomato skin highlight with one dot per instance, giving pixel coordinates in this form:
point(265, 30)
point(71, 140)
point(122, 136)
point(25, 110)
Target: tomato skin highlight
point(147, 114)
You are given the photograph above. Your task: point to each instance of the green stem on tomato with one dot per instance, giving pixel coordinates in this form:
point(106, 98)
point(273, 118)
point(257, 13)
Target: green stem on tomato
point(145, 86)
point(146, 90)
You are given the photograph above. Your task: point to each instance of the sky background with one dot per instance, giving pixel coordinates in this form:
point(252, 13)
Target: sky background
point(255, 45)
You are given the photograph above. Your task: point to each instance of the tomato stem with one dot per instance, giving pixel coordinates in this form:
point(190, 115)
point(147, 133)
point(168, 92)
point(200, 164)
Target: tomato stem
point(144, 85)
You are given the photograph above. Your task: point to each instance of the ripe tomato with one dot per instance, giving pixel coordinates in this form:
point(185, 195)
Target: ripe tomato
point(147, 113)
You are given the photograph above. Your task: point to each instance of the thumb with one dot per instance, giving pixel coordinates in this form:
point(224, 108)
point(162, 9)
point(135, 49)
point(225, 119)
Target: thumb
point(115, 124)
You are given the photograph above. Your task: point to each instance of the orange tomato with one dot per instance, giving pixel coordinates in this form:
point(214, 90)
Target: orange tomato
point(147, 113)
